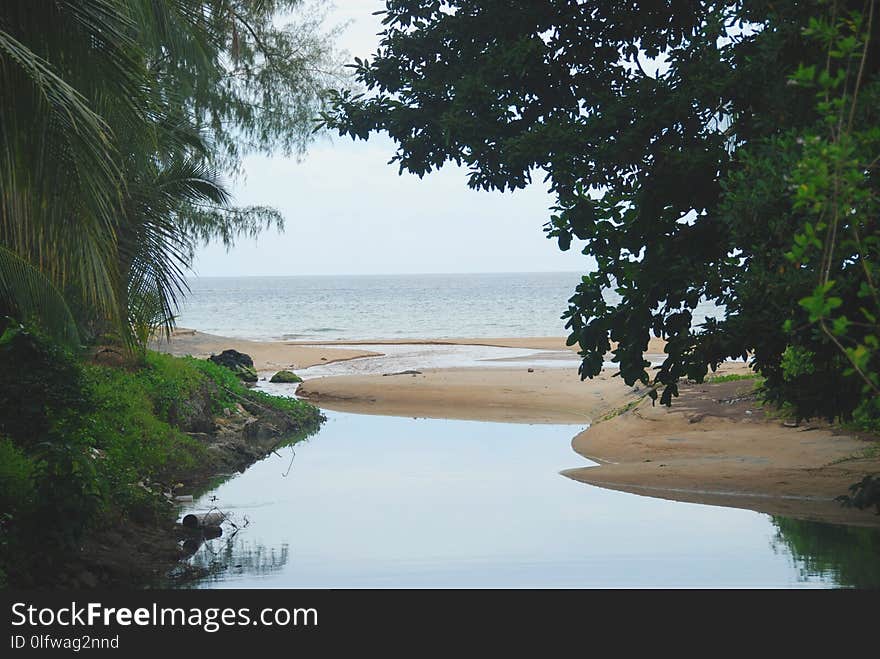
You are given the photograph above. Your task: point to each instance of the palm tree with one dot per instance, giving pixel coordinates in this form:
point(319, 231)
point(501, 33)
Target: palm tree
point(107, 179)
point(59, 175)
point(73, 203)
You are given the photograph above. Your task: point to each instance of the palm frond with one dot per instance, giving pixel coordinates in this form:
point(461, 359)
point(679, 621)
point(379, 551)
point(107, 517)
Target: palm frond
point(57, 161)
point(155, 246)
point(30, 295)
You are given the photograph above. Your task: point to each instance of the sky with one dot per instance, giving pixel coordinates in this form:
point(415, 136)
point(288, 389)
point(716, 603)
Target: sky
point(347, 211)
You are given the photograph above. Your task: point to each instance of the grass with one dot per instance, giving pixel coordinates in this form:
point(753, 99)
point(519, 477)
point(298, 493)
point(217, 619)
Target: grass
point(616, 412)
point(869, 453)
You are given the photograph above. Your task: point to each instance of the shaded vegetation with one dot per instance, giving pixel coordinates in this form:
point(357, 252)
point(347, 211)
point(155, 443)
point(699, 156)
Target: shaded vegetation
point(99, 445)
point(731, 377)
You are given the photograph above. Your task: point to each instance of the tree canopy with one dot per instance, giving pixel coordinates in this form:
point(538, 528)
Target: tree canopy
point(698, 151)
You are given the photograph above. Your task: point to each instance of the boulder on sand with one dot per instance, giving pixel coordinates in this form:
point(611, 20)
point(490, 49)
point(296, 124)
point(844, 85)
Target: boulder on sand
point(237, 362)
point(285, 377)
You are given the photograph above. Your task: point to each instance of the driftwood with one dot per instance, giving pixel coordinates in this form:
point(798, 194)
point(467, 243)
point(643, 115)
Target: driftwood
point(204, 520)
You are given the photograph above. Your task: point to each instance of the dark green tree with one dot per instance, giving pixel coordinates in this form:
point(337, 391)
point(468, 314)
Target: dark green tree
point(671, 134)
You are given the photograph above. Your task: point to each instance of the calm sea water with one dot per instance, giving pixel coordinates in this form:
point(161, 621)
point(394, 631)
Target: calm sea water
point(373, 501)
point(381, 306)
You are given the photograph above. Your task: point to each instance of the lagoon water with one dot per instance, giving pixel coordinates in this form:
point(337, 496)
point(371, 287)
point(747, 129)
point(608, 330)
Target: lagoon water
point(372, 501)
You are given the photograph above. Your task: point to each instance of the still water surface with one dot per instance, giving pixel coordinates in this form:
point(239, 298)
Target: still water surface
point(374, 501)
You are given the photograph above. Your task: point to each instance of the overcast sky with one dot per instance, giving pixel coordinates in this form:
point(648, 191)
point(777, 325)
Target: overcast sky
point(349, 212)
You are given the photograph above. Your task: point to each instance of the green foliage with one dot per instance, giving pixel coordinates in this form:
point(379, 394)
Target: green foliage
point(43, 405)
point(732, 377)
point(864, 494)
point(77, 439)
point(866, 416)
point(40, 385)
point(30, 294)
point(297, 409)
point(835, 201)
point(17, 473)
point(698, 151)
point(797, 362)
point(132, 426)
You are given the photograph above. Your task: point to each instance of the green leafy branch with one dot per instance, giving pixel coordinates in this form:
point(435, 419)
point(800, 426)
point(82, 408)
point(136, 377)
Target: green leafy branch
point(832, 188)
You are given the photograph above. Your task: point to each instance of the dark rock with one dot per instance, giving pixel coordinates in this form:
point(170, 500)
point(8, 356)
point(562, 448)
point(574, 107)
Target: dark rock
point(232, 359)
point(237, 362)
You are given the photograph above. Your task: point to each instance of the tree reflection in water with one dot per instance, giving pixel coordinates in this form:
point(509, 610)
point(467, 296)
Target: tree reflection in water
point(848, 554)
point(224, 559)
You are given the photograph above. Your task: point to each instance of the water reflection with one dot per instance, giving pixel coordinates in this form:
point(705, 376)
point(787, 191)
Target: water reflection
point(382, 502)
point(236, 557)
point(847, 555)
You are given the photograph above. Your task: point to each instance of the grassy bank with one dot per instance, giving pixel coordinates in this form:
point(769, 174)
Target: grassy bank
point(96, 442)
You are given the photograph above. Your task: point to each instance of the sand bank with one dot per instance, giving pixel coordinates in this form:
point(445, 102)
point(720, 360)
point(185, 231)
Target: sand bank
point(716, 446)
point(497, 394)
point(267, 355)
point(544, 395)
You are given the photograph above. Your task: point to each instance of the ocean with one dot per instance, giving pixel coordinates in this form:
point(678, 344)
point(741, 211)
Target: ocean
point(352, 307)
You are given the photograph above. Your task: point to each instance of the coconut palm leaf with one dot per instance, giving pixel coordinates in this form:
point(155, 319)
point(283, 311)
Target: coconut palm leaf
point(28, 294)
point(154, 247)
point(59, 175)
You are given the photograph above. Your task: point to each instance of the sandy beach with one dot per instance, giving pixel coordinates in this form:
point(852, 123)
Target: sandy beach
point(714, 446)
point(267, 355)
